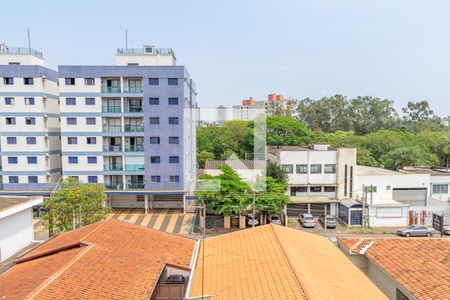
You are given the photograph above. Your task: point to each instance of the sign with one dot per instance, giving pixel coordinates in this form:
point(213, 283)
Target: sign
point(438, 222)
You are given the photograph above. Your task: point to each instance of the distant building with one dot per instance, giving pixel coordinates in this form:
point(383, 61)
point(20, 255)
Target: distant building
point(446, 121)
point(251, 108)
point(221, 114)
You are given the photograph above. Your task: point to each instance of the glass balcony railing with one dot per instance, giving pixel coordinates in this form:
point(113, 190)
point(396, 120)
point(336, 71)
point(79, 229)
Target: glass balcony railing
point(134, 128)
point(135, 185)
point(133, 109)
point(133, 90)
point(111, 128)
point(113, 167)
point(134, 148)
point(110, 89)
point(111, 109)
point(112, 148)
point(134, 167)
point(114, 186)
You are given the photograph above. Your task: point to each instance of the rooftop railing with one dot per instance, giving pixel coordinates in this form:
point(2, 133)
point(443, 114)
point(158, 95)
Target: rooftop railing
point(163, 51)
point(19, 50)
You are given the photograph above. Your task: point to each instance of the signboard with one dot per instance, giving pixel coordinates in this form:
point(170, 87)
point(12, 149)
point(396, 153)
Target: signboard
point(438, 222)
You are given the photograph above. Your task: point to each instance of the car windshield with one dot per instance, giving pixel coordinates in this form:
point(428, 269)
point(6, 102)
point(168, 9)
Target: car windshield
point(330, 219)
point(275, 217)
point(309, 218)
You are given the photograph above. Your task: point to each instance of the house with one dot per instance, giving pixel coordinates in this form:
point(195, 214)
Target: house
point(248, 170)
point(276, 262)
point(16, 224)
point(403, 269)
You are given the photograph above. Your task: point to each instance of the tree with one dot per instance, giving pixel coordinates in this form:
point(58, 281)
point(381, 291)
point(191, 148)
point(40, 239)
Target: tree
point(73, 197)
point(286, 131)
point(202, 157)
point(276, 171)
point(408, 156)
point(273, 198)
point(417, 111)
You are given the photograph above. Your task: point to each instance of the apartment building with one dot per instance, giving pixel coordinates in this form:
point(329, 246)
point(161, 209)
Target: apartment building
point(275, 104)
point(29, 122)
point(131, 127)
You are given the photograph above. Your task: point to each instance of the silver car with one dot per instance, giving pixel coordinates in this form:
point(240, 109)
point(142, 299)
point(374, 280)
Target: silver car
point(329, 220)
point(416, 230)
point(275, 219)
point(447, 230)
point(250, 220)
point(307, 220)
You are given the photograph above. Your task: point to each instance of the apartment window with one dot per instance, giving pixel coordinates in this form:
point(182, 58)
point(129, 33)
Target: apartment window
point(32, 179)
point(89, 81)
point(9, 101)
point(174, 179)
point(174, 140)
point(92, 179)
point(301, 169)
point(89, 101)
point(31, 140)
point(32, 159)
point(174, 159)
point(72, 140)
point(155, 178)
point(315, 169)
point(315, 189)
point(10, 121)
point(153, 81)
point(298, 189)
point(153, 101)
point(91, 140)
point(440, 188)
point(155, 159)
point(28, 80)
point(154, 121)
point(90, 121)
point(8, 80)
point(29, 101)
point(288, 168)
point(71, 101)
point(12, 160)
point(73, 160)
point(13, 179)
point(173, 101)
point(329, 189)
point(172, 81)
point(11, 140)
point(70, 81)
point(92, 159)
point(329, 169)
point(173, 121)
point(154, 140)
point(71, 121)
point(30, 121)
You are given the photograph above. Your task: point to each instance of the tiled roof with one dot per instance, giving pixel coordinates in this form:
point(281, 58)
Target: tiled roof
point(7, 202)
point(420, 265)
point(113, 260)
point(277, 262)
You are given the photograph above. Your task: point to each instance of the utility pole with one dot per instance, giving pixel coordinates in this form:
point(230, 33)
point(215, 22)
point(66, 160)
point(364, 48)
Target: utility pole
point(253, 214)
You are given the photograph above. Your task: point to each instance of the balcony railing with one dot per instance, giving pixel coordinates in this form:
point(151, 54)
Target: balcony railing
point(135, 185)
point(114, 186)
point(133, 90)
point(134, 148)
point(133, 109)
point(111, 109)
point(134, 128)
point(18, 50)
point(134, 167)
point(112, 128)
point(113, 167)
point(112, 148)
point(110, 89)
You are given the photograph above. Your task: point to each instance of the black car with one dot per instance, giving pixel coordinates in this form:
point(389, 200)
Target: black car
point(176, 278)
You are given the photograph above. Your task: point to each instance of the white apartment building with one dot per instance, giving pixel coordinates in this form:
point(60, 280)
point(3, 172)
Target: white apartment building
point(250, 109)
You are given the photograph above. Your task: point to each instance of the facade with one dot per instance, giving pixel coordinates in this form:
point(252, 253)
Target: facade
point(221, 114)
point(29, 121)
point(250, 108)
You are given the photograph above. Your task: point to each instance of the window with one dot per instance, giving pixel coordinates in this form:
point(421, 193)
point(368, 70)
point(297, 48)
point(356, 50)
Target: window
point(329, 189)
point(89, 101)
point(92, 179)
point(172, 81)
point(71, 101)
point(174, 179)
point(29, 101)
point(288, 168)
point(91, 140)
point(154, 140)
point(30, 121)
point(154, 121)
point(153, 101)
point(72, 140)
point(388, 187)
point(71, 121)
point(301, 169)
point(92, 159)
point(173, 120)
point(28, 80)
point(173, 101)
point(32, 159)
point(11, 140)
point(10, 121)
point(329, 169)
point(90, 121)
point(31, 140)
point(155, 159)
point(440, 188)
point(315, 169)
point(155, 179)
point(12, 160)
point(9, 101)
point(153, 81)
point(73, 177)
point(174, 159)
point(400, 296)
point(13, 179)
point(89, 81)
point(315, 189)
point(174, 140)
point(370, 189)
point(298, 189)
point(73, 160)
point(8, 80)
point(32, 179)
point(70, 81)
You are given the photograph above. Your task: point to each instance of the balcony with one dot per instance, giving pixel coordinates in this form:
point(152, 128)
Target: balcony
point(134, 128)
point(133, 90)
point(114, 186)
point(135, 185)
point(110, 89)
point(134, 167)
point(112, 148)
point(111, 109)
point(133, 109)
point(113, 167)
point(112, 128)
point(134, 148)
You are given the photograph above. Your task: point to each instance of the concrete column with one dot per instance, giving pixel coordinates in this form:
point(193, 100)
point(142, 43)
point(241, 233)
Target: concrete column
point(309, 208)
point(184, 203)
point(151, 201)
point(146, 203)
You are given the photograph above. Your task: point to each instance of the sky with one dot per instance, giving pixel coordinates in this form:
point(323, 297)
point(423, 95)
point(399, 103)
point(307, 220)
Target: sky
point(234, 50)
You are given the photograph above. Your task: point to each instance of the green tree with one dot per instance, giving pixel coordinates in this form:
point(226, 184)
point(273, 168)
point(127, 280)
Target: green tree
point(286, 131)
point(275, 171)
point(271, 199)
point(417, 111)
point(408, 156)
point(202, 157)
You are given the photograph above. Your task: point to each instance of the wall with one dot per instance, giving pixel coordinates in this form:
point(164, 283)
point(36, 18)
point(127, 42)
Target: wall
point(16, 232)
point(392, 216)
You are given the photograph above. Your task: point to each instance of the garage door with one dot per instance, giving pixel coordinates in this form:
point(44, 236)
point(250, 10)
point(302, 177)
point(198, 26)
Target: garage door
point(413, 197)
point(127, 201)
point(168, 201)
point(293, 210)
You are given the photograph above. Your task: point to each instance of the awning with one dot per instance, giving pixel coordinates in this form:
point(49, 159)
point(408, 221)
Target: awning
point(312, 199)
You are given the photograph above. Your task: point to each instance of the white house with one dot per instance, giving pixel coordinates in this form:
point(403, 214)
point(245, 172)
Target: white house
point(16, 223)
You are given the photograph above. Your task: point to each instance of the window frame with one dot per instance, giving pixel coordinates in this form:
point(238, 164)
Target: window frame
point(155, 159)
point(312, 171)
point(288, 168)
point(174, 138)
point(28, 81)
point(13, 179)
point(153, 101)
point(11, 101)
point(87, 101)
point(333, 166)
point(172, 81)
point(33, 160)
point(155, 137)
point(172, 101)
point(29, 101)
point(69, 80)
point(152, 120)
point(299, 166)
point(87, 79)
point(72, 119)
point(153, 81)
point(31, 138)
point(173, 121)
point(11, 138)
point(72, 160)
point(30, 121)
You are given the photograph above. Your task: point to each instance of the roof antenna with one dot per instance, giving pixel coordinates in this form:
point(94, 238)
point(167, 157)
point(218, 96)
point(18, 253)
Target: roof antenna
point(29, 40)
point(126, 40)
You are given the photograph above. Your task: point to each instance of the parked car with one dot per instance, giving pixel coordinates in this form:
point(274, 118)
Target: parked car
point(447, 230)
point(176, 278)
point(250, 220)
point(416, 230)
point(329, 219)
point(275, 219)
point(307, 220)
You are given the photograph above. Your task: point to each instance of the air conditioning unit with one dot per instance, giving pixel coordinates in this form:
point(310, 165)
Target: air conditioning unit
point(46, 136)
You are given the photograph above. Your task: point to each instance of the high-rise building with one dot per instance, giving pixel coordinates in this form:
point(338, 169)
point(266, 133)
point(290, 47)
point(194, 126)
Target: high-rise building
point(276, 104)
point(221, 114)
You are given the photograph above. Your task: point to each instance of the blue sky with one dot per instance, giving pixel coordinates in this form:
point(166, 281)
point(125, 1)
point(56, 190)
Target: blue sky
point(236, 49)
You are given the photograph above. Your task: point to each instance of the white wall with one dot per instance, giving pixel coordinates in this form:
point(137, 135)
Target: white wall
point(23, 59)
point(440, 180)
point(16, 232)
point(391, 216)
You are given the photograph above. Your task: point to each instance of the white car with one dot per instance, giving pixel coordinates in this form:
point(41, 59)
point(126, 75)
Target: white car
point(307, 220)
point(275, 219)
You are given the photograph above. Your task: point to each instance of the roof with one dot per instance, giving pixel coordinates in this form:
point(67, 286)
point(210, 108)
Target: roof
point(12, 204)
point(277, 262)
point(421, 266)
point(107, 260)
point(368, 171)
point(236, 164)
point(426, 170)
